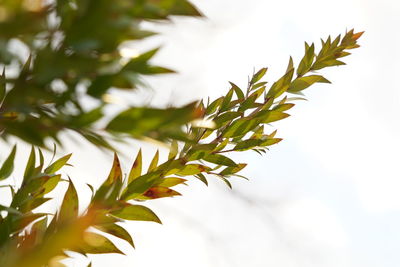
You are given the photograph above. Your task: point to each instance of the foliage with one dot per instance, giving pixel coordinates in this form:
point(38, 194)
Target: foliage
point(76, 44)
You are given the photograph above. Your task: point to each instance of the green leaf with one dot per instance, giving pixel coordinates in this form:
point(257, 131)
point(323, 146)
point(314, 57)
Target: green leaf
point(142, 121)
point(58, 164)
point(30, 166)
point(280, 86)
point(214, 106)
point(283, 107)
point(271, 141)
point(306, 62)
point(51, 183)
point(268, 116)
point(173, 151)
point(97, 244)
point(136, 213)
point(227, 100)
point(136, 169)
point(8, 165)
point(302, 83)
point(10, 210)
point(115, 172)
point(192, 169)
point(247, 144)
point(70, 205)
point(158, 192)
point(240, 127)
point(170, 182)
point(226, 116)
point(202, 178)
point(220, 160)
point(116, 230)
point(239, 93)
point(256, 77)
point(248, 103)
point(154, 162)
point(233, 170)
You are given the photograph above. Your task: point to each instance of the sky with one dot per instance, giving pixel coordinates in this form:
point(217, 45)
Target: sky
point(328, 195)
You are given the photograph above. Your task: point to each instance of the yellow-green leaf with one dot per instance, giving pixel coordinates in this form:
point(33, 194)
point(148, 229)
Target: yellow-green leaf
point(8, 165)
point(136, 213)
point(58, 164)
point(302, 83)
point(136, 169)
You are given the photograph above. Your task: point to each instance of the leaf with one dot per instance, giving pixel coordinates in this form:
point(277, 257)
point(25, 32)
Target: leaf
point(97, 244)
point(70, 205)
point(280, 86)
point(247, 144)
point(256, 77)
point(115, 172)
point(154, 162)
point(306, 62)
point(283, 107)
point(10, 210)
point(238, 91)
point(136, 213)
point(226, 101)
point(220, 160)
point(51, 183)
point(30, 166)
point(158, 192)
point(192, 169)
point(142, 121)
point(232, 170)
point(271, 141)
point(214, 106)
point(302, 83)
point(240, 127)
point(171, 181)
point(136, 169)
point(58, 164)
point(226, 116)
point(8, 165)
point(271, 115)
point(202, 178)
point(173, 150)
point(116, 230)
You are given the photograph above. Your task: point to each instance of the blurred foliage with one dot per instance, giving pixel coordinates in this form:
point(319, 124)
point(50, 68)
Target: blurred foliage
point(75, 51)
point(77, 44)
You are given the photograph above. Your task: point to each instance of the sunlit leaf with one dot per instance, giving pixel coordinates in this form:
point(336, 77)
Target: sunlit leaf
point(70, 205)
point(97, 244)
point(116, 230)
point(136, 213)
point(136, 169)
point(220, 160)
point(58, 164)
point(306, 81)
point(8, 165)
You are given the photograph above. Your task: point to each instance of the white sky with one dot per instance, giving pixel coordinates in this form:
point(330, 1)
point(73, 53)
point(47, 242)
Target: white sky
point(328, 195)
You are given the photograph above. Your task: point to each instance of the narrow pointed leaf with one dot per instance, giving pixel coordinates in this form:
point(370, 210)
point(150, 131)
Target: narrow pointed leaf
point(136, 213)
point(58, 164)
point(8, 165)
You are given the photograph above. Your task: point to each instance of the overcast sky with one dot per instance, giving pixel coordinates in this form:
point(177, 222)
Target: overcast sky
point(328, 195)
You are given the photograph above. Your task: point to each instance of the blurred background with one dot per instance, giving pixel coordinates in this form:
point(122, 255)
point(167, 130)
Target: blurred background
point(328, 195)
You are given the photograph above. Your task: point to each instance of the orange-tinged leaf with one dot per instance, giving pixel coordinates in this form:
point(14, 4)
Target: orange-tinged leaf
point(158, 192)
point(115, 172)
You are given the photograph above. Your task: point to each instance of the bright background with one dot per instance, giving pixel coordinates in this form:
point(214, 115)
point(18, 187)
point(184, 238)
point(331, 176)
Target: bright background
point(328, 195)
